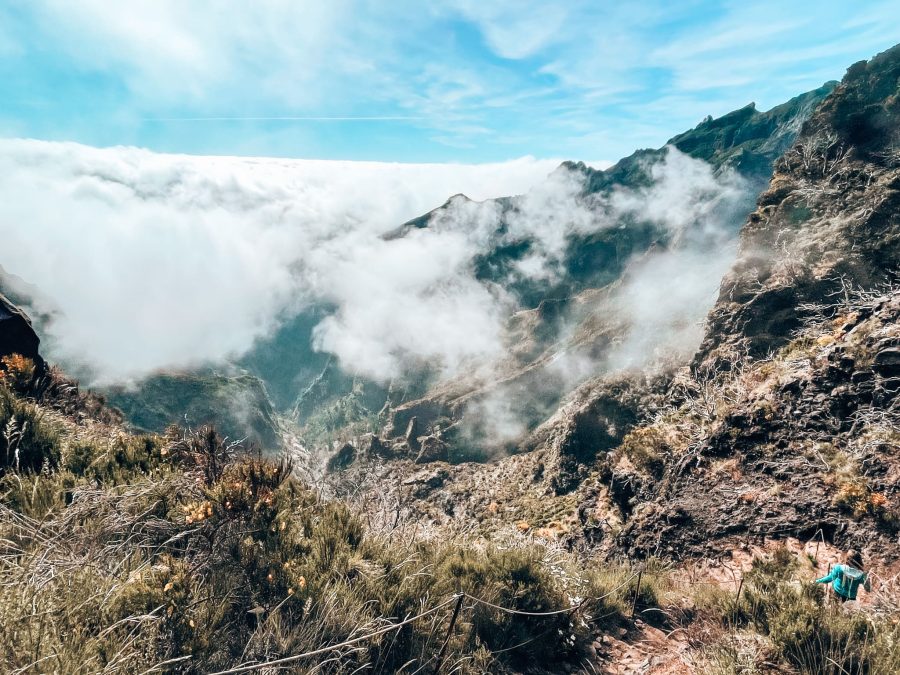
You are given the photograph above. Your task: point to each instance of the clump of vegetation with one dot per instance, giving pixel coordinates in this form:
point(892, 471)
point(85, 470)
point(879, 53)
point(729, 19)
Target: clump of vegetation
point(17, 372)
point(803, 626)
point(29, 440)
point(647, 448)
point(340, 420)
point(615, 589)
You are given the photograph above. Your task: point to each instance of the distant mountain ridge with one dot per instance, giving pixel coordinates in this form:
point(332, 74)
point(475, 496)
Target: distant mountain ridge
point(746, 141)
point(310, 386)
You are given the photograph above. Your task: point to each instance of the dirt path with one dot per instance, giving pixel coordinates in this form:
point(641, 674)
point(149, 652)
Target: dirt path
point(641, 651)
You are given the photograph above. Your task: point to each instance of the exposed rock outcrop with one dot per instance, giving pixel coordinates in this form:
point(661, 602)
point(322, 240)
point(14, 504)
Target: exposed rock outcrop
point(342, 459)
point(431, 449)
point(17, 336)
point(594, 421)
point(830, 216)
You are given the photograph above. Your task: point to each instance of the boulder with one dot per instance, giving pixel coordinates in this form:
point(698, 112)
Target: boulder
point(425, 411)
point(342, 459)
point(431, 449)
point(372, 446)
point(412, 434)
point(887, 362)
point(862, 376)
point(427, 481)
point(16, 333)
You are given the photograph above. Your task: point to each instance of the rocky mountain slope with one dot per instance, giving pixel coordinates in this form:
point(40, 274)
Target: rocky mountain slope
point(17, 335)
point(664, 519)
point(786, 424)
point(806, 326)
point(183, 553)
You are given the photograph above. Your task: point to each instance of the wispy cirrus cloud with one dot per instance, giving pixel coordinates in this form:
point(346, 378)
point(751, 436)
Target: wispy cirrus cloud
point(407, 81)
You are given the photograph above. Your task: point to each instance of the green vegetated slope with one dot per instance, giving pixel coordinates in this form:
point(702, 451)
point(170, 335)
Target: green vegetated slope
point(237, 404)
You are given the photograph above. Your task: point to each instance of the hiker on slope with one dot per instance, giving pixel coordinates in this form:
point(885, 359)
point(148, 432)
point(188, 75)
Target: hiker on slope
point(846, 578)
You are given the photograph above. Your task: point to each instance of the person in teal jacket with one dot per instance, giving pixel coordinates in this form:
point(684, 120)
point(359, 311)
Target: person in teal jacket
point(847, 578)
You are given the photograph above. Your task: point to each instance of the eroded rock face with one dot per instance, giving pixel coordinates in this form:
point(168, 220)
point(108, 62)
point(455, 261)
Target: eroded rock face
point(371, 445)
point(813, 450)
point(805, 441)
point(431, 449)
point(594, 422)
point(424, 412)
point(342, 459)
point(16, 333)
point(830, 218)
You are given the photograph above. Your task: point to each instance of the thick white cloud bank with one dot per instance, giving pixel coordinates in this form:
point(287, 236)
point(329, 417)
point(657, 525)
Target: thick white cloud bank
point(166, 261)
point(151, 261)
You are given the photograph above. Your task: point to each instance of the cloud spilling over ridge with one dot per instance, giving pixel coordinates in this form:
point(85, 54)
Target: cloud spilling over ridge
point(408, 302)
point(665, 295)
point(654, 313)
point(163, 261)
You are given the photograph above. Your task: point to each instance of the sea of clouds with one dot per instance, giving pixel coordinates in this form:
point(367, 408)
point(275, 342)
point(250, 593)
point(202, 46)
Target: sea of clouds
point(149, 261)
point(153, 261)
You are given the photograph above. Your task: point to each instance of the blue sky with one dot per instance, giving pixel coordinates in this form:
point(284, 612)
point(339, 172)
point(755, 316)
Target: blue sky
point(460, 80)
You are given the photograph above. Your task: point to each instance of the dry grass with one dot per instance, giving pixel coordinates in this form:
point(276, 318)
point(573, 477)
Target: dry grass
point(124, 554)
point(801, 627)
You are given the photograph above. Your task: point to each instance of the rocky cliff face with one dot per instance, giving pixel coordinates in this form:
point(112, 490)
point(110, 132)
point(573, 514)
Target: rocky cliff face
point(830, 215)
point(788, 423)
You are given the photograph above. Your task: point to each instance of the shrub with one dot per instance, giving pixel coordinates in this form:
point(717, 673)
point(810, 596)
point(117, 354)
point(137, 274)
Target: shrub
point(515, 579)
point(812, 635)
point(17, 373)
point(27, 440)
point(647, 447)
point(853, 496)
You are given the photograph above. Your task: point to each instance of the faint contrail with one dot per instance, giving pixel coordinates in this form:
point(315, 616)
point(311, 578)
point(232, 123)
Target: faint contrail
point(389, 118)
